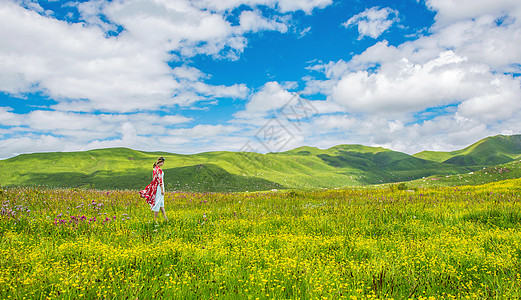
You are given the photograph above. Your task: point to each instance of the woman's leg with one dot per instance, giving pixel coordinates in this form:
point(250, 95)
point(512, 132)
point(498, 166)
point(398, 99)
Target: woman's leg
point(155, 216)
point(164, 213)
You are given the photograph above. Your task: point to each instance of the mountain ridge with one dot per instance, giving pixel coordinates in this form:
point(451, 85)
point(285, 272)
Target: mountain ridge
point(511, 144)
point(226, 171)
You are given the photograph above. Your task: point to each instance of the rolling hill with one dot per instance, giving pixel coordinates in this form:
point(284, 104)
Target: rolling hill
point(486, 152)
point(507, 171)
point(222, 171)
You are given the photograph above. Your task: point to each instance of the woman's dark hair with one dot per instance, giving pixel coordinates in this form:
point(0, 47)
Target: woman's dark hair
point(160, 159)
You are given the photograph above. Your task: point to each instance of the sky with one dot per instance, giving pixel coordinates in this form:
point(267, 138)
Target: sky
point(261, 76)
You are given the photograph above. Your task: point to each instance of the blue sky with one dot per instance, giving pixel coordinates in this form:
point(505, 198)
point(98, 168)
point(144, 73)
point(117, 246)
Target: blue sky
point(257, 75)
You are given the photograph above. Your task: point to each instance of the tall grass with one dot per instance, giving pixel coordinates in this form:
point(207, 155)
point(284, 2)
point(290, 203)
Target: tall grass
point(446, 243)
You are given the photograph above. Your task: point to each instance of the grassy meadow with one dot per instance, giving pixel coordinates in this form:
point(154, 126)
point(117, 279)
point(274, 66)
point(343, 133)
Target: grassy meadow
point(511, 170)
point(223, 171)
point(359, 243)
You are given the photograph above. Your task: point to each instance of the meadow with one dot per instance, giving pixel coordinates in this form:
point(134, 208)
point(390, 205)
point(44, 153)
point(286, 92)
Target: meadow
point(490, 159)
point(359, 243)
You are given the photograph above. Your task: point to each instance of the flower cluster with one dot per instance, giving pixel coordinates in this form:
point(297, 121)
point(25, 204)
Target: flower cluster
point(362, 243)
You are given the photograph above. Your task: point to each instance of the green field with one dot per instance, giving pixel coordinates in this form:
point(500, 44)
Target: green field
point(302, 168)
point(358, 243)
point(487, 152)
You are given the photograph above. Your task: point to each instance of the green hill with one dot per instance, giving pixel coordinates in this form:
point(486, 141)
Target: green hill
point(487, 152)
point(222, 171)
point(510, 170)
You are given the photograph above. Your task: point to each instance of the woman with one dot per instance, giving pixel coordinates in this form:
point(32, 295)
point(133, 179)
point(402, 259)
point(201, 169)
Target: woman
point(154, 193)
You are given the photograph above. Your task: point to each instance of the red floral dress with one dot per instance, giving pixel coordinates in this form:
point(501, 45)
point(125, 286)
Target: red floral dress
point(149, 193)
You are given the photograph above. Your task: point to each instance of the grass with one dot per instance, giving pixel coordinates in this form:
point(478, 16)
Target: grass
point(511, 170)
point(301, 168)
point(486, 152)
point(359, 243)
point(128, 169)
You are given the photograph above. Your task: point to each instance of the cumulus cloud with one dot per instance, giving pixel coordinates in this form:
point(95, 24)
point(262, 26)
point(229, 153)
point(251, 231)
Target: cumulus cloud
point(305, 5)
point(448, 11)
point(37, 143)
point(441, 91)
point(502, 102)
point(460, 71)
point(121, 57)
point(403, 86)
point(69, 61)
point(75, 130)
point(91, 12)
point(269, 97)
point(443, 133)
point(171, 25)
point(373, 21)
point(253, 21)
point(283, 6)
point(86, 69)
point(7, 118)
point(483, 40)
point(335, 122)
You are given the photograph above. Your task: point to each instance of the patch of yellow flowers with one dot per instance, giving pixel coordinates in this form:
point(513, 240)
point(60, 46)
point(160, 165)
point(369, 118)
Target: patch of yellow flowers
point(433, 243)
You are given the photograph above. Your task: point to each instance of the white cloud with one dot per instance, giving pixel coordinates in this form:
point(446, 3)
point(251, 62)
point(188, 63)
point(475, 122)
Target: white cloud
point(32, 5)
point(7, 118)
point(384, 96)
point(305, 5)
point(117, 59)
point(85, 69)
point(440, 92)
point(373, 21)
point(449, 11)
point(168, 25)
point(483, 40)
point(19, 145)
point(91, 11)
point(444, 133)
point(503, 103)
point(189, 73)
point(43, 131)
point(335, 122)
point(283, 6)
point(253, 21)
point(86, 127)
point(403, 86)
point(270, 97)
point(174, 119)
point(70, 61)
point(395, 126)
point(234, 91)
point(204, 131)
point(53, 121)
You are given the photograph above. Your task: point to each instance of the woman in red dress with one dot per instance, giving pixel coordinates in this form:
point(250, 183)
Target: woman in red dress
point(154, 193)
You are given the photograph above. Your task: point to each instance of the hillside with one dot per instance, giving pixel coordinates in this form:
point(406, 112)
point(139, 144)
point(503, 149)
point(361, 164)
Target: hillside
point(222, 171)
point(507, 171)
point(487, 152)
